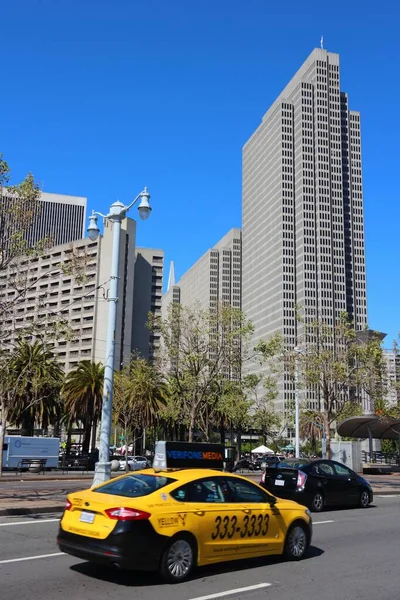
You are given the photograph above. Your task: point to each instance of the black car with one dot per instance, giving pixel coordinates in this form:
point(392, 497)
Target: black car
point(317, 483)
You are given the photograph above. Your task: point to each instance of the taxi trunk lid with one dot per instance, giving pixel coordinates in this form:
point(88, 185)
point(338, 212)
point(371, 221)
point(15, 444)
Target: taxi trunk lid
point(86, 514)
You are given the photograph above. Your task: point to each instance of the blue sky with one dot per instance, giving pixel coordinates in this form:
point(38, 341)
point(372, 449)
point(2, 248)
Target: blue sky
point(99, 98)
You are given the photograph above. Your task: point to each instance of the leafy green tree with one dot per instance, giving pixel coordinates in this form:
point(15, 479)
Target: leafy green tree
point(311, 428)
point(82, 393)
point(340, 365)
point(199, 347)
point(230, 410)
point(20, 208)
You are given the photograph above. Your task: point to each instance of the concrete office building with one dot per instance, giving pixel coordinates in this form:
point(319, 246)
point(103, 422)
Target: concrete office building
point(55, 296)
point(149, 273)
point(392, 360)
point(215, 277)
point(61, 218)
point(303, 223)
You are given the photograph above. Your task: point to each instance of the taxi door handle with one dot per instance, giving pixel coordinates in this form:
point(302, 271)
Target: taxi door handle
point(199, 513)
point(247, 510)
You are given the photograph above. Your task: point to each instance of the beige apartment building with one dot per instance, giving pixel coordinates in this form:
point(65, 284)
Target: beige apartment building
point(55, 296)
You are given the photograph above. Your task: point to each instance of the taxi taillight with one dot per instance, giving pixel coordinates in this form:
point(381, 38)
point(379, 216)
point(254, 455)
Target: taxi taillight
point(126, 514)
point(67, 505)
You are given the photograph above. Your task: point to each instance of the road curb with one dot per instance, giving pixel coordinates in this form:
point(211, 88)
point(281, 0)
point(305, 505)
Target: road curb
point(44, 478)
point(386, 492)
point(20, 511)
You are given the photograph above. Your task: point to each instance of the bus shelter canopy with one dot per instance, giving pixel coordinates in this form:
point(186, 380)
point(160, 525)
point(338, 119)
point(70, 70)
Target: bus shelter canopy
point(379, 428)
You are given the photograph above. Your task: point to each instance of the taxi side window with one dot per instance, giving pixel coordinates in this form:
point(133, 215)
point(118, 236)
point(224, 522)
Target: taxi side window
point(204, 490)
point(243, 491)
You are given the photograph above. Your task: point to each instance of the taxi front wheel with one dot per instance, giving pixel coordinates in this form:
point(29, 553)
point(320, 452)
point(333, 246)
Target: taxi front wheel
point(178, 559)
point(296, 543)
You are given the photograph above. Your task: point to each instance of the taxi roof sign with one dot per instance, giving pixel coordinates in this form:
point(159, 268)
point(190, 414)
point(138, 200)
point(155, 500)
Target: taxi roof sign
point(188, 455)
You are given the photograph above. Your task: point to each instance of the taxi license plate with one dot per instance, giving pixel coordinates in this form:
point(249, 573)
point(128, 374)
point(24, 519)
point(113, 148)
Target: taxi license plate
point(279, 482)
point(87, 517)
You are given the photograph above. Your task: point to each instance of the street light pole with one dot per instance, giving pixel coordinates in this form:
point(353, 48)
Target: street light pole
point(297, 351)
point(116, 215)
point(296, 403)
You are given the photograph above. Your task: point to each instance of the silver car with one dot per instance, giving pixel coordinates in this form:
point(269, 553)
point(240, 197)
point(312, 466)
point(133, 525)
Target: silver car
point(135, 463)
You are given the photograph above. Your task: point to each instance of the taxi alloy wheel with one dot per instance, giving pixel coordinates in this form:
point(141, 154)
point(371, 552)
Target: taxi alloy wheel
point(317, 502)
point(364, 499)
point(178, 560)
point(296, 542)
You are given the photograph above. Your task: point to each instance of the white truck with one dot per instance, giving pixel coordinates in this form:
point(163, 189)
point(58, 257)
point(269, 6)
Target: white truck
point(18, 447)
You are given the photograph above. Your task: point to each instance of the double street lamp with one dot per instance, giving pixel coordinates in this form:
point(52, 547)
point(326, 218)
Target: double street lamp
point(116, 215)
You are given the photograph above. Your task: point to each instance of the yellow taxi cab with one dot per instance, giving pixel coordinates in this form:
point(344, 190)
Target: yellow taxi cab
point(172, 518)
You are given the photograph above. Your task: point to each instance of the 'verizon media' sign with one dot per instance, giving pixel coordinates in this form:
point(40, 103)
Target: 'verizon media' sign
point(186, 455)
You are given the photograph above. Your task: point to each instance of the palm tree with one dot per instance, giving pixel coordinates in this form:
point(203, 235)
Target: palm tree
point(83, 391)
point(311, 427)
point(139, 396)
point(37, 379)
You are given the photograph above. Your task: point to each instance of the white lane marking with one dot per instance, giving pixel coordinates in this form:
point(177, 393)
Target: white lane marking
point(12, 560)
point(388, 496)
point(250, 588)
point(322, 522)
point(28, 522)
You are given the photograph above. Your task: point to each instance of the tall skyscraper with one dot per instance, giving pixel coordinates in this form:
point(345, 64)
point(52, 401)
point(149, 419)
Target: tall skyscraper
point(149, 273)
point(215, 277)
point(303, 222)
point(61, 218)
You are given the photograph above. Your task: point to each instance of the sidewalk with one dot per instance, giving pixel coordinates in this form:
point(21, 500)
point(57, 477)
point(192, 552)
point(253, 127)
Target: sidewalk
point(20, 496)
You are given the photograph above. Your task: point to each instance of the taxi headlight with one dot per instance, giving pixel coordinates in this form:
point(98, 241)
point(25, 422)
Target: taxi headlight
point(308, 512)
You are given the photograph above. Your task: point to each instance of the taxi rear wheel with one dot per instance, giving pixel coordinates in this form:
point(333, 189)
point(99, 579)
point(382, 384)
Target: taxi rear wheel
point(178, 559)
point(296, 543)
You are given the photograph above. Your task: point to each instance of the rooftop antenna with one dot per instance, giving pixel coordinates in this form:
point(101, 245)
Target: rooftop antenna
point(322, 42)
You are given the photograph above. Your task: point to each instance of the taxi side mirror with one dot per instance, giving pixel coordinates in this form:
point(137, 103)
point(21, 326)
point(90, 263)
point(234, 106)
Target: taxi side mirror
point(272, 500)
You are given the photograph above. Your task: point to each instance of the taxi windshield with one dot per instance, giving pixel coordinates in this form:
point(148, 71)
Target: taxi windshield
point(134, 486)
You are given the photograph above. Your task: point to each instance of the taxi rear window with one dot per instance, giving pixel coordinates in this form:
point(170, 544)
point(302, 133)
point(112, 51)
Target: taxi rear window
point(135, 486)
point(293, 464)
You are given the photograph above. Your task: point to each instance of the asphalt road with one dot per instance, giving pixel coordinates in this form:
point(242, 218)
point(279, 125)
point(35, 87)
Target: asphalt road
point(355, 554)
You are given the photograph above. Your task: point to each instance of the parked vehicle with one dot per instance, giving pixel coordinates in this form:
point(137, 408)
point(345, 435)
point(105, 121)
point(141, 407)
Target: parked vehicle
point(317, 483)
point(19, 447)
point(135, 463)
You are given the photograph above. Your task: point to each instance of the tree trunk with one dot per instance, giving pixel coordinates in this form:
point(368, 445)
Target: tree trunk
point(327, 434)
point(69, 440)
point(239, 445)
point(192, 425)
point(94, 433)
point(86, 436)
point(222, 432)
point(4, 415)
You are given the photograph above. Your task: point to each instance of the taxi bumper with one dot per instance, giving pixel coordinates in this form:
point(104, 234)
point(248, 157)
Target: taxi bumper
point(131, 545)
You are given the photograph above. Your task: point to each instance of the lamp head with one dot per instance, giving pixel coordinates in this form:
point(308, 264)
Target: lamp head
point(93, 231)
point(144, 207)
